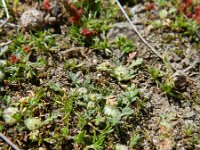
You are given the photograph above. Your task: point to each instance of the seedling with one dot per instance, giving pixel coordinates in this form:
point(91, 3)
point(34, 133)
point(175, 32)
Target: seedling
point(125, 45)
point(134, 140)
point(129, 96)
point(121, 73)
point(155, 73)
point(189, 131)
point(160, 3)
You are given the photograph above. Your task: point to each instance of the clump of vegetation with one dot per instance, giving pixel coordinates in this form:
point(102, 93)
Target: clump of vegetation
point(87, 112)
point(65, 85)
point(120, 72)
point(185, 16)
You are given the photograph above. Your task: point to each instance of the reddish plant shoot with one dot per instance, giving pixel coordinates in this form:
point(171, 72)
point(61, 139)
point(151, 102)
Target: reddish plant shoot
point(197, 11)
point(75, 13)
point(188, 3)
point(189, 14)
point(150, 6)
point(182, 8)
point(14, 59)
point(190, 11)
point(88, 33)
point(47, 5)
point(74, 19)
point(27, 49)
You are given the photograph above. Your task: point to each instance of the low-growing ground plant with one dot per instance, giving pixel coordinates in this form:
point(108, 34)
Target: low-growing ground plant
point(92, 99)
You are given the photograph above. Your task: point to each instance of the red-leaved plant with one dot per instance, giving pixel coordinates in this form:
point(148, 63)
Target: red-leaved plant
point(88, 33)
point(190, 11)
point(150, 6)
point(27, 49)
point(74, 12)
point(14, 59)
point(47, 5)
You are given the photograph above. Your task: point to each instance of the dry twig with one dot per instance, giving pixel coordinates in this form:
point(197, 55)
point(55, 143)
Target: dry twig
point(81, 50)
point(191, 66)
point(3, 137)
point(7, 24)
point(137, 32)
point(4, 44)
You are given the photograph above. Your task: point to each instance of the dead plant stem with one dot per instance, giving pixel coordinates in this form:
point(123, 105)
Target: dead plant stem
point(7, 14)
point(137, 32)
point(4, 138)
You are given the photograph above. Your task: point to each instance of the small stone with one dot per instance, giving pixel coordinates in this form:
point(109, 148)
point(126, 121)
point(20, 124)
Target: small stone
point(180, 81)
point(32, 19)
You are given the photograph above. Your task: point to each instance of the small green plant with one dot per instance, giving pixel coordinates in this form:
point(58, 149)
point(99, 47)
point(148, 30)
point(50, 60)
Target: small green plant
point(80, 137)
point(129, 96)
point(101, 44)
point(10, 115)
point(42, 41)
point(23, 68)
point(71, 64)
point(74, 78)
point(161, 3)
point(75, 36)
point(54, 86)
point(189, 131)
point(154, 72)
point(98, 140)
point(134, 140)
point(124, 44)
point(187, 26)
point(120, 72)
point(167, 87)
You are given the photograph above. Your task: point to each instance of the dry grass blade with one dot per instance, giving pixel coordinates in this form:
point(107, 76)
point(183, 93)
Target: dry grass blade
point(4, 44)
point(137, 32)
point(7, 14)
point(8, 24)
point(191, 66)
point(3, 137)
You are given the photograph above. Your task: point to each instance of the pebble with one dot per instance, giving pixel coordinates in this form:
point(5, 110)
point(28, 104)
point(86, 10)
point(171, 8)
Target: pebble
point(32, 19)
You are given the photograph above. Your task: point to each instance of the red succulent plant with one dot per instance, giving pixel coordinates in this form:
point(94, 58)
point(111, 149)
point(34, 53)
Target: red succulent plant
point(27, 49)
point(14, 59)
point(47, 5)
point(188, 3)
point(150, 6)
point(88, 33)
point(190, 11)
point(74, 13)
